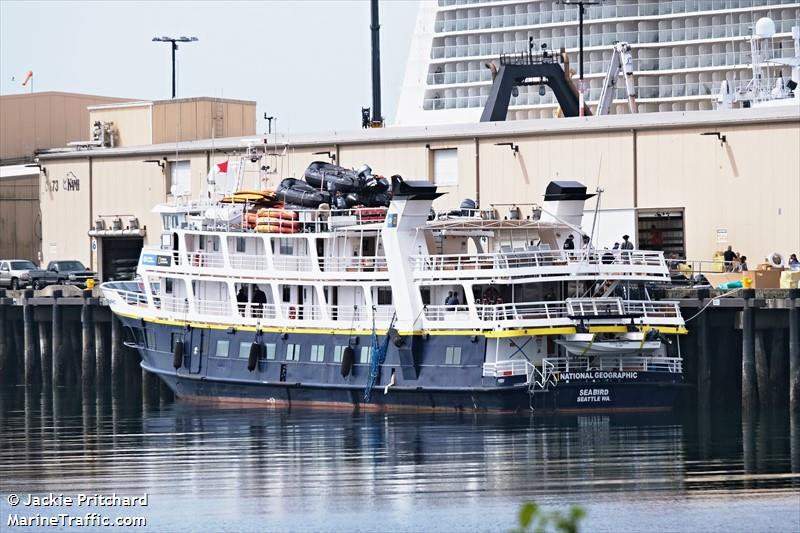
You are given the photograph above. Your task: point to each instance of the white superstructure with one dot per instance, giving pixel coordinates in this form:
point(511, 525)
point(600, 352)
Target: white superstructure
point(682, 49)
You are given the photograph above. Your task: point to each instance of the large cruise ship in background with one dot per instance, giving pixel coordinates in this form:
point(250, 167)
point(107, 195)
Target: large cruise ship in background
point(682, 50)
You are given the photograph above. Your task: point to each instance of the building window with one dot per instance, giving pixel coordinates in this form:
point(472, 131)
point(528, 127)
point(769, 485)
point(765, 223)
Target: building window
point(452, 355)
point(240, 245)
point(244, 350)
point(318, 353)
point(292, 352)
point(337, 353)
point(384, 296)
point(180, 178)
point(222, 349)
point(445, 166)
point(270, 351)
point(366, 352)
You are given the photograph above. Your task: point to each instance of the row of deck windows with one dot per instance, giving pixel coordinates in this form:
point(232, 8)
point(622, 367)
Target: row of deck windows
point(452, 353)
point(317, 355)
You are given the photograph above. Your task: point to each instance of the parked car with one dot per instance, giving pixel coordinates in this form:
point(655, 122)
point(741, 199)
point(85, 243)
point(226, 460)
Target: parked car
point(18, 273)
point(70, 272)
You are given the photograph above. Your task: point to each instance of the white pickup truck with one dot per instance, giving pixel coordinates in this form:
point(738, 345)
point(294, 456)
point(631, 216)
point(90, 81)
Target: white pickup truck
point(18, 273)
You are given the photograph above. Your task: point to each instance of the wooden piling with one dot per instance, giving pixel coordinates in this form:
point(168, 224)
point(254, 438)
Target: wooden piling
point(5, 352)
point(762, 369)
point(18, 350)
point(150, 388)
point(59, 362)
point(31, 355)
point(794, 350)
point(46, 351)
point(778, 369)
point(748, 350)
point(102, 355)
point(117, 353)
point(87, 346)
point(703, 362)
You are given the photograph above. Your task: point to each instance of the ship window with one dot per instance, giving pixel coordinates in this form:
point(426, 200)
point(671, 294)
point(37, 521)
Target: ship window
point(384, 296)
point(366, 352)
point(270, 351)
point(292, 352)
point(287, 246)
point(452, 355)
point(240, 244)
point(167, 286)
point(337, 353)
point(287, 293)
point(318, 353)
point(222, 349)
point(150, 338)
point(445, 166)
point(244, 350)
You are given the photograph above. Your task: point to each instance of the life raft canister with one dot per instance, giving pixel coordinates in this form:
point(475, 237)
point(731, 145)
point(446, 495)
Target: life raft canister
point(252, 359)
point(177, 355)
point(348, 358)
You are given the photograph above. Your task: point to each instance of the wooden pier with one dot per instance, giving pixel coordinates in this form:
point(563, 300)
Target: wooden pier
point(54, 339)
point(742, 350)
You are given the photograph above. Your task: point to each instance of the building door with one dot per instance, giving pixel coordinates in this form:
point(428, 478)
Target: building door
point(119, 257)
point(663, 230)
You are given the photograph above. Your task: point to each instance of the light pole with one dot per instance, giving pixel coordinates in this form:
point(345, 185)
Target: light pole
point(174, 41)
point(581, 11)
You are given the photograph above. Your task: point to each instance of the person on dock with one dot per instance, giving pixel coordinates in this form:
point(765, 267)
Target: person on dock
point(742, 265)
point(794, 264)
point(729, 256)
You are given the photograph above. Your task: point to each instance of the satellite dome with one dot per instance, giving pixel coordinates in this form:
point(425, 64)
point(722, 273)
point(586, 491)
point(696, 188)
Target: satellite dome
point(765, 28)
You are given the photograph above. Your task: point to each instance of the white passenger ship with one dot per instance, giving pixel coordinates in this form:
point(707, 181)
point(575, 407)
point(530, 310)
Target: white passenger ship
point(398, 308)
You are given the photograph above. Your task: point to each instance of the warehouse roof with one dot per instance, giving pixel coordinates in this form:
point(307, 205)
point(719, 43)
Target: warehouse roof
point(645, 121)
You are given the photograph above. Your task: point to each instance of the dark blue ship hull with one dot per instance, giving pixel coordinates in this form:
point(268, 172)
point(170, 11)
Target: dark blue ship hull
point(305, 368)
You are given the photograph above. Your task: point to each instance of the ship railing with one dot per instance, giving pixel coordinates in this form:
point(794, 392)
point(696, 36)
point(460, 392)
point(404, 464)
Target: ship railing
point(616, 363)
point(647, 262)
point(116, 295)
point(507, 368)
point(308, 220)
point(353, 264)
point(241, 261)
point(298, 263)
point(206, 259)
point(558, 313)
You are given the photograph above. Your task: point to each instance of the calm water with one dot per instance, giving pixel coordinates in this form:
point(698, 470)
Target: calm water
point(221, 469)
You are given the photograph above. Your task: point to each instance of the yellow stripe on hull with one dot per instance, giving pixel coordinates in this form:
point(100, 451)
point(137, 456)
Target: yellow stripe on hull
point(489, 334)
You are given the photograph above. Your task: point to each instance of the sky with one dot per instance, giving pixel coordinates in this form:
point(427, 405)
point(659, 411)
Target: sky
point(305, 62)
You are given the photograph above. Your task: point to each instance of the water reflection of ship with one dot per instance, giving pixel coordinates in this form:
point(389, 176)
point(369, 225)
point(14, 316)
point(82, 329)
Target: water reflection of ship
point(294, 453)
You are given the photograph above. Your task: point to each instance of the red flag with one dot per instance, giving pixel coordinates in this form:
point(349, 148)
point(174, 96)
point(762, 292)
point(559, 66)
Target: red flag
point(222, 167)
point(28, 77)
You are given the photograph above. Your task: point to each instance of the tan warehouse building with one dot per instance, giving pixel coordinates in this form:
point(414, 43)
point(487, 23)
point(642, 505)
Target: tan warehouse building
point(706, 179)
